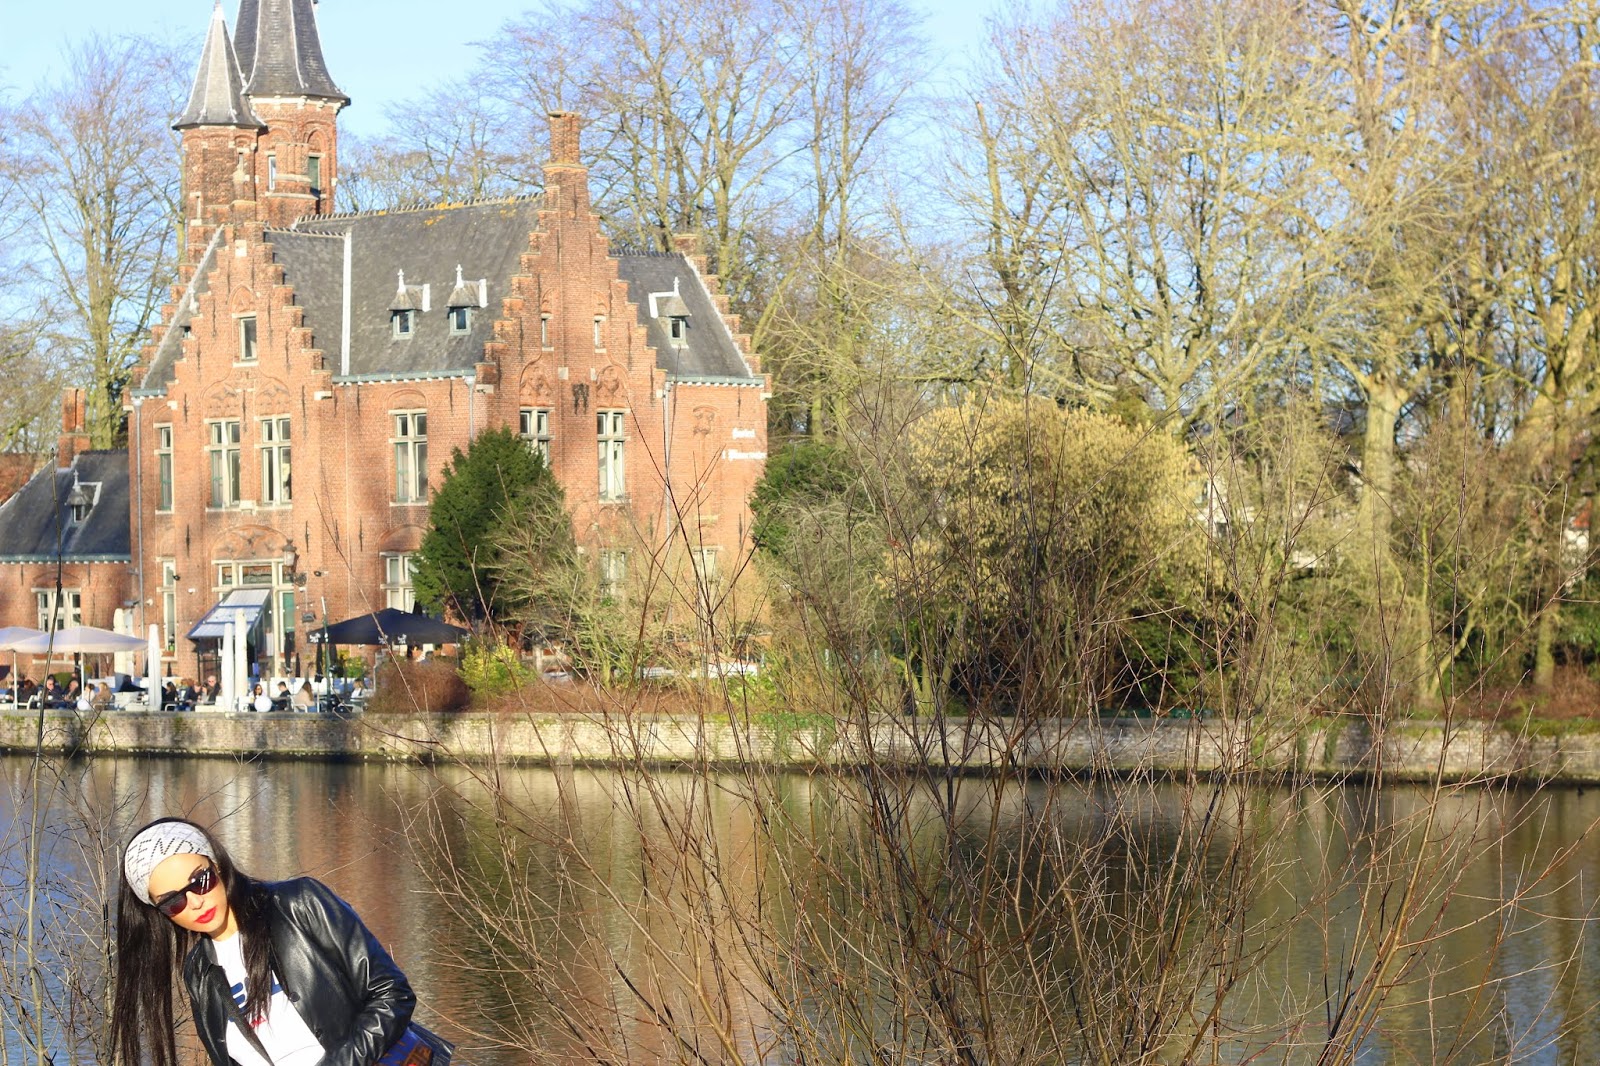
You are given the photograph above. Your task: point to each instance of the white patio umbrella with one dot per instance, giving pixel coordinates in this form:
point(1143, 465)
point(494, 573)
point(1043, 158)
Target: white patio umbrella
point(80, 640)
point(10, 637)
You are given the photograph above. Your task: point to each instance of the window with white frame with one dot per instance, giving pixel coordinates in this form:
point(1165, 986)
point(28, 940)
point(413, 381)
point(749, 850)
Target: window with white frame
point(398, 570)
point(460, 320)
point(403, 323)
point(272, 172)
point(599, 332)
point(314, 175)
point(613, 442)
point(57, 614)
point(534, 427)
point(247, 339)
point(705, 564)
point(223, 455)
point(544, 331)
point(169, 604)
point(410, 456)
point(613, 572)
point(275, 484)
point(163, 468)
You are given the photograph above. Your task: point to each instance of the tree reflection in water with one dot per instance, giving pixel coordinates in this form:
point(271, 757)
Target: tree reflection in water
point(642, 916)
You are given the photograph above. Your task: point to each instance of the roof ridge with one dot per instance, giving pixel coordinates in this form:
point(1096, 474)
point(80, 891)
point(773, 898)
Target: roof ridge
point(633, 252)
point(404, 209)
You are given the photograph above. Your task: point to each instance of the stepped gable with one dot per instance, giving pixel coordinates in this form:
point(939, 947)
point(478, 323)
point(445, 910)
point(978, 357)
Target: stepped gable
point(30, 520)
point(280, 50)
point(170, 348)
point(708, 348)
point(217, 97)
point(485, 239)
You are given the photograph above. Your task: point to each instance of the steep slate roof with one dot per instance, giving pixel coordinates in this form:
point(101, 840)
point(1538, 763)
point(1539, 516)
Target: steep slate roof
point(708, 350)
point(280, 51)
point(217, 98)
point(486, 240)
point(28, 521)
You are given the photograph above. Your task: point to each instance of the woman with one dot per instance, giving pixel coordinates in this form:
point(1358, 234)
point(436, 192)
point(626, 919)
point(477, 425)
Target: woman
point(278, 973)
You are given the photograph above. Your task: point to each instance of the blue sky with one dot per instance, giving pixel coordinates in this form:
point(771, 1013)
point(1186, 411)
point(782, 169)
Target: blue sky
point(380, 51)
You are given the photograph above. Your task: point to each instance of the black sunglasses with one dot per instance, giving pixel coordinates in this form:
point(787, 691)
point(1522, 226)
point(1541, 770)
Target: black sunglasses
point(173, 903)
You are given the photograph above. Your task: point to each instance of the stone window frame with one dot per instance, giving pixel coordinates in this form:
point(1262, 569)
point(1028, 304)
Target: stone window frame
point(403, 324)
point(249, 330)
point(224, 464)
point(460, 320)
point(163, 467)
point(611, 433)
point(409, 445)
point(67, 610)
point(398, 586)
point(705, 560)
point(273, 442)
point(613, 572)
point(169, 603)
point(533, 426)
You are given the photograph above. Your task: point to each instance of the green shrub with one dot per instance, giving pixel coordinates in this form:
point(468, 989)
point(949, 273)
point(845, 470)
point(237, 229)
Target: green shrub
point(490, 669)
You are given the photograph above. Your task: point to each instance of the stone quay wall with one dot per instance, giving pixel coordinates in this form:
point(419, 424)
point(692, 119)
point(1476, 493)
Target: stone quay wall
point(1409, 751)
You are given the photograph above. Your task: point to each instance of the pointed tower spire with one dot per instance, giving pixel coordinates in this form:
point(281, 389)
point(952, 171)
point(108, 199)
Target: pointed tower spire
point(217, 98)
point(280, 51)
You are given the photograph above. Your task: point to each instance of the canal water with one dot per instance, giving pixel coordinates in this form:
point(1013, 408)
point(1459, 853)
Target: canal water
point(565, 916)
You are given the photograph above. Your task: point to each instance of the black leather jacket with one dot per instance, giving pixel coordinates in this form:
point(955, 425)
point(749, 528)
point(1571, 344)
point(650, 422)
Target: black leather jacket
point(334, 971)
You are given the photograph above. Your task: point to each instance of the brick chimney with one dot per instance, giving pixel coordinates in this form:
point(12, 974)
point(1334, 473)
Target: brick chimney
point(565, 145)
point(566, 180)
point(74, 432)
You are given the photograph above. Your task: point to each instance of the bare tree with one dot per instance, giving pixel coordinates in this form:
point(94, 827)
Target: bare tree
point(97, 172)
point(452, 143)
point(1147, 184)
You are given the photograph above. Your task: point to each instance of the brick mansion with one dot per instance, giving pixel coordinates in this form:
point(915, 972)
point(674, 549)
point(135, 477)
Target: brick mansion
point(314, 372)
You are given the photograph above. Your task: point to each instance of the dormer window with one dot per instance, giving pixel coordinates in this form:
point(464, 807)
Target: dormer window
point(463, 298)
point(81, 501)
point(669, 309)
point(408, 300)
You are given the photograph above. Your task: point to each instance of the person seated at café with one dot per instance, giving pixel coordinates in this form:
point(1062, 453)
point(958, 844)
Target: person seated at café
point(169, 697)
point(51, 697)
point(213, 690)
point(280, 699)
point(187, 694)
point(27, 689)
point(259, 700)
point(74, 695)
point(304, 698)
point(100, 699)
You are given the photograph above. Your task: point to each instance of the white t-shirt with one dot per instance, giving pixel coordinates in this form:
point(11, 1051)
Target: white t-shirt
point(285, 1035)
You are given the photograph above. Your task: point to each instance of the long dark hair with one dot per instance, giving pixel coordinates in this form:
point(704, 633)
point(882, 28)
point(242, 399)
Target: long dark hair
point(150, 954)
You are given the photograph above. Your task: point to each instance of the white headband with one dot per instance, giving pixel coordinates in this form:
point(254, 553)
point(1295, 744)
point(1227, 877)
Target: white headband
point(157, 843)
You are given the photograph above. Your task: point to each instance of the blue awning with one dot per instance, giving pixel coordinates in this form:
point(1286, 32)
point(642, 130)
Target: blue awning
point(247, 602)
